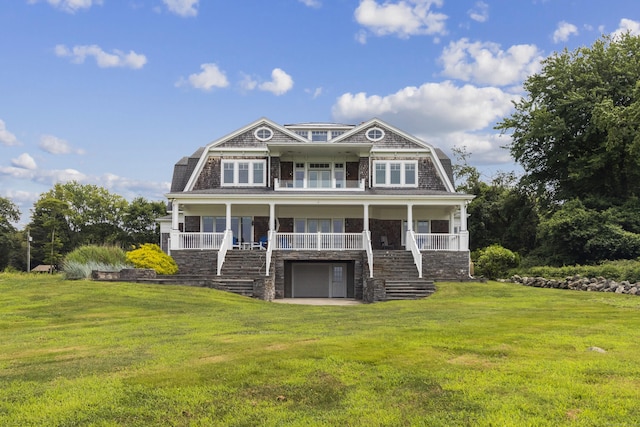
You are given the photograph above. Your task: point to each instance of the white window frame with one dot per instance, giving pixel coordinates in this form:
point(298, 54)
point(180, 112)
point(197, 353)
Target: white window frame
point(236, 173)
point(387, 181)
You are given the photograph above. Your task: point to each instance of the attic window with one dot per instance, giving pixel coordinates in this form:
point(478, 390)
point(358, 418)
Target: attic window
point(263, 134)
point(375, 134)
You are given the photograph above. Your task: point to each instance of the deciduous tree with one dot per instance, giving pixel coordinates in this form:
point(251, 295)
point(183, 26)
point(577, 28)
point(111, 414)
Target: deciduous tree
point(576, 132)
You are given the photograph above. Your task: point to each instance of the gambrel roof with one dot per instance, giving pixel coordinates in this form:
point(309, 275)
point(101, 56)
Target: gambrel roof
point(285, 138)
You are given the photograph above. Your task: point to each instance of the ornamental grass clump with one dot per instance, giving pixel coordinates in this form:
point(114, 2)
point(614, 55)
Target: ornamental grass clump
point(79, 263)
point(151, 256)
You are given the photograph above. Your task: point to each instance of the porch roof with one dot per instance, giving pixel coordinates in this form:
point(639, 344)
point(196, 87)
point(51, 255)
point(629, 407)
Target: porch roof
point(371, 195)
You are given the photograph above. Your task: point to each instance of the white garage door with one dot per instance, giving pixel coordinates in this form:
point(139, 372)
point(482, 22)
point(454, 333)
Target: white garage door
point(319, 280)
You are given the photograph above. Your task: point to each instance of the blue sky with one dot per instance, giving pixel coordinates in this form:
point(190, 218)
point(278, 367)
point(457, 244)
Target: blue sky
point(114, 92)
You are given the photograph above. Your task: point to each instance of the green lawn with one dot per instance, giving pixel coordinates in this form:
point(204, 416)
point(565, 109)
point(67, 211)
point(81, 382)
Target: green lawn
point(84, 353)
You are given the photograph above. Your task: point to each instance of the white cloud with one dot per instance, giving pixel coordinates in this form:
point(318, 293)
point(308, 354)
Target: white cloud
point(627, 25)
point(6, 137)
point(70, 6)
point(487, 63)
point(24, 161)
point(480, 12)
point(211, 76)
point(55, 145)
point(126, 187)
point(280, 83)
point(485, 148)
point(311, 3)
point(361, 37)
point(433, 108)
point(182, 7)
point(404, 18)
point(104, 60)
point(248, 82)
point(314, 92)
point(564, 31)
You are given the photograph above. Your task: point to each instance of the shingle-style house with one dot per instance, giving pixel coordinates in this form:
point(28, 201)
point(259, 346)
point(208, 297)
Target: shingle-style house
point(327, 210)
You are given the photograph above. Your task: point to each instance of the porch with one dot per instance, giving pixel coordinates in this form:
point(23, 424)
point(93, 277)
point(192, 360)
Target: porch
point(313, 241)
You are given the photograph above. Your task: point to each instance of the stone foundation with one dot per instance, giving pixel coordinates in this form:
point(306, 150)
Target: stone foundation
point(203, 262)
point(446, 265)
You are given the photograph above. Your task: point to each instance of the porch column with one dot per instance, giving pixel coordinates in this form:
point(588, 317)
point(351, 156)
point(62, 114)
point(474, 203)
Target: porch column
point(175, 216)
point(365, 216)
point(463, 217)
point(174, 234)
point(464, 233)
point(452, 220)
point(228, 207)
point(410, 217)
point(272, 217)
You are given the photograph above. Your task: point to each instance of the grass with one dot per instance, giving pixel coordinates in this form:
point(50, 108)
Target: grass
point(477, 354)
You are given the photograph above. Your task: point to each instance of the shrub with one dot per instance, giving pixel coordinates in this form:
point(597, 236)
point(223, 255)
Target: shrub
point(76, 270)
point(99, 254)
point(495, 261)
point(151, 256)
point(615, 270)
point(79, 263)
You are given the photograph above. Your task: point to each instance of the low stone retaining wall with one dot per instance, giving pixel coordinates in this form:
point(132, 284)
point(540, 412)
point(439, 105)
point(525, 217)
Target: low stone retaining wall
point(578, 283)
point(125, 275)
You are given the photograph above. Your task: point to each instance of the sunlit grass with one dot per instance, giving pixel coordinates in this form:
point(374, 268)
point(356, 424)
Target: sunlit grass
point(82, 353)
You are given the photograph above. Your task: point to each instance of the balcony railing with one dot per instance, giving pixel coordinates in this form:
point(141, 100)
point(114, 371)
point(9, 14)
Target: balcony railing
point(327, 185)
point(438, 242)
point(318, 241)
point(197, 240)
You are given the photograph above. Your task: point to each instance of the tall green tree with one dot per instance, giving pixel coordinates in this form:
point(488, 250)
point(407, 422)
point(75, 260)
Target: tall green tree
point(139, 221)
point(503, 212)
point(576, 132)
point(72, 214)
point(52, 236)
point(9, 213)
point(94, 215)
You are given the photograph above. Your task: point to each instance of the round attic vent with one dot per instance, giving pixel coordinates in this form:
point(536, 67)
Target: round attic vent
point(375, 134)
point(263, 133)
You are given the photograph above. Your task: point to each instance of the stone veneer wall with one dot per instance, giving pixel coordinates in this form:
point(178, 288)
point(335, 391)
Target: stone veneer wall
point(280, 257)
point(445, 265)
point(195, 261)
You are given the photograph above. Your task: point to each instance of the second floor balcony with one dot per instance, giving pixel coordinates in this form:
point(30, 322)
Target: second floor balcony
point(327, 184)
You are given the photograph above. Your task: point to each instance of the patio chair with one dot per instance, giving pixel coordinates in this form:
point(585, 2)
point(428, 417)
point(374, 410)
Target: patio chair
point(260, 244)
point(384, 243)
point(236, 244)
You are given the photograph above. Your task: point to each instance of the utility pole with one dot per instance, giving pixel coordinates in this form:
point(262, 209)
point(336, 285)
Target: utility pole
point(28, 251)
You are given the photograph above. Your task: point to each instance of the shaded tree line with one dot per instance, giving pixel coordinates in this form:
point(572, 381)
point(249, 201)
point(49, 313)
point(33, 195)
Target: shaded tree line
point(71, 215)
point(576, 133)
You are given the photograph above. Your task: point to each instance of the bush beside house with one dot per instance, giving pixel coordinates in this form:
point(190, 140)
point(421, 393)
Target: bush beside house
point(151, 256)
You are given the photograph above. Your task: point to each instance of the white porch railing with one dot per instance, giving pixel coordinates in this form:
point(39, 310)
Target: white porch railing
point(224, 246)
point(199, 240)
point(439, 242)
point(329, 185)
point(318, 241)
point(366, 238)
point(413, 247)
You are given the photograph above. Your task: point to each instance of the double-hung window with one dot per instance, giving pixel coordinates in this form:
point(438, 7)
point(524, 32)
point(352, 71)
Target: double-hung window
point(395, 173)
point(243, 173)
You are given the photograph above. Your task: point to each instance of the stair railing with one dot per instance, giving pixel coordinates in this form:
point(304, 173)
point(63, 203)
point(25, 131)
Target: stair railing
point(224, 246)
point(412, 246)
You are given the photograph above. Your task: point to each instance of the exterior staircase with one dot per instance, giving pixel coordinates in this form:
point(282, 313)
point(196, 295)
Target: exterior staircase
point(400, 274)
